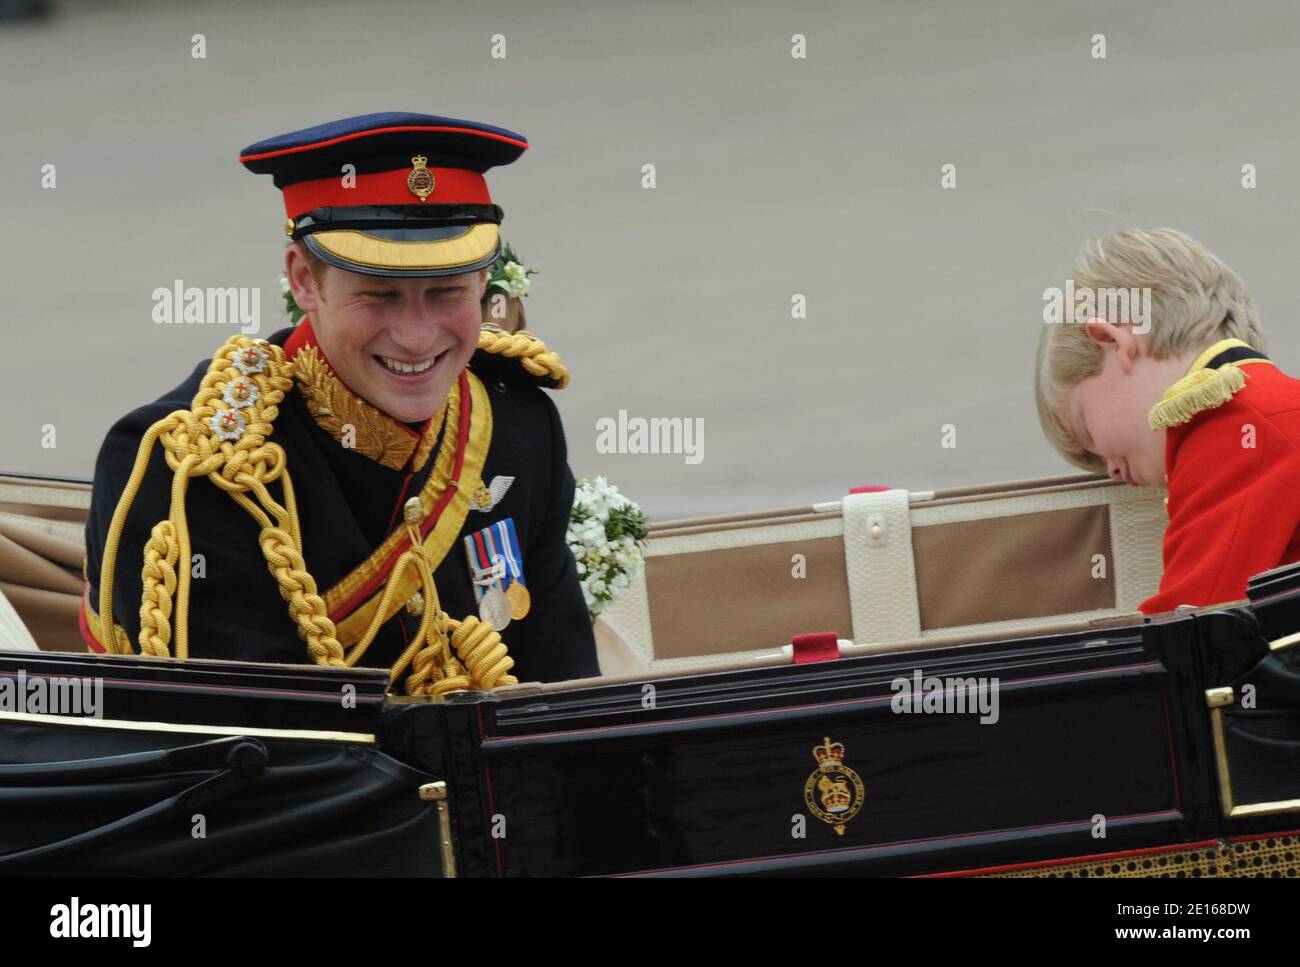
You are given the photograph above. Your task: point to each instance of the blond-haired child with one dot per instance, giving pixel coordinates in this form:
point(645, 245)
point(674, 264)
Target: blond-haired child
point(1184, 399)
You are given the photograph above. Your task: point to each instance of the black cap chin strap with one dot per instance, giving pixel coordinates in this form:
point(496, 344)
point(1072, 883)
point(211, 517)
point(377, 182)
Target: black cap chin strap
point(393, 217)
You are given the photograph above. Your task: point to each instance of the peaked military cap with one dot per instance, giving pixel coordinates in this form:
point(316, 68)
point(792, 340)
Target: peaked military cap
point(414, 202)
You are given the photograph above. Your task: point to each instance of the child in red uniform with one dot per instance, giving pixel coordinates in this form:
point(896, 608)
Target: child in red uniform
point(1192, 404)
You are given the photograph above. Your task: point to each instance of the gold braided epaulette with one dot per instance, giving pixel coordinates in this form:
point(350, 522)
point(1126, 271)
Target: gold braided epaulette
point(223, 437)
point(531, 352)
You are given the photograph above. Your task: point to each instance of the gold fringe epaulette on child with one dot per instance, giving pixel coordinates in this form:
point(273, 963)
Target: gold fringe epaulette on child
point(531, 352)
point(1196, 392)
point(224, 436)
point(1205, 386)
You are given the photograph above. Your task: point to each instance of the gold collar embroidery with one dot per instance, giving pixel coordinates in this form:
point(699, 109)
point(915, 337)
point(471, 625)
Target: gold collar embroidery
point(357, 424)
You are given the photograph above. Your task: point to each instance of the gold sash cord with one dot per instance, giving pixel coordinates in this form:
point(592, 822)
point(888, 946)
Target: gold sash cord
point(480, 660)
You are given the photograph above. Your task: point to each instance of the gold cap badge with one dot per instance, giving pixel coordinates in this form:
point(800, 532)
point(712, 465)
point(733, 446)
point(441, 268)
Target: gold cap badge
point(420, 180)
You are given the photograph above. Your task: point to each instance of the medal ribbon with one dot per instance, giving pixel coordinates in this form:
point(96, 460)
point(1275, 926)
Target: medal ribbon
point(509, 541)
point(488, 566)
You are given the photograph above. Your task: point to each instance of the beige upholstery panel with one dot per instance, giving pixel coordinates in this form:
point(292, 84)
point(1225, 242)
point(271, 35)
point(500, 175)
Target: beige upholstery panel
point(42, 549)
point(1137, 526)
point(723, 623)
point(49, 500)
point(741, 598)
point(1001, 569)
point(41, 574)
point(698, 625)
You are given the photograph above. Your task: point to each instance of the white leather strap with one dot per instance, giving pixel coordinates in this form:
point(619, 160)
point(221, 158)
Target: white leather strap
point(881, 570)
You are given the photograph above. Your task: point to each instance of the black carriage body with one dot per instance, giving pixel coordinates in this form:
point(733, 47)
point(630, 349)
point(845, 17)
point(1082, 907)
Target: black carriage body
point(206, 768)
point(1110, 744)
point(1103, 745)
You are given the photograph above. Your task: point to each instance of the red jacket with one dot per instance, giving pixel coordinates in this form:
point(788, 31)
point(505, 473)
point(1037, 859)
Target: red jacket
point(1234, 509)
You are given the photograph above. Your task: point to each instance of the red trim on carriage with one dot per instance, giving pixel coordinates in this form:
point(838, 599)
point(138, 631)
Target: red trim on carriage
point(818, 646)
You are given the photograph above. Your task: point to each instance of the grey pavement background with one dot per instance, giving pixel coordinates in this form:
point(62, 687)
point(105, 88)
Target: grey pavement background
point(776, 176)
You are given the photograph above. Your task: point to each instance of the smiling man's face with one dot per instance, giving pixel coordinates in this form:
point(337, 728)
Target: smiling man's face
point(399, 344)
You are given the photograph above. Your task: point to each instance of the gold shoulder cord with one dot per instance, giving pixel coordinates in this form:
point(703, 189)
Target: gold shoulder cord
point(224, 437)
point(528, 349)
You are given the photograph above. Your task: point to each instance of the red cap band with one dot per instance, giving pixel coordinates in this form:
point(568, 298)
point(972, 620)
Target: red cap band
point(451, 186)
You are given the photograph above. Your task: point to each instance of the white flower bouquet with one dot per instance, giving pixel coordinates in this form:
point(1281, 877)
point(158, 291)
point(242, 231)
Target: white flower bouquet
point(606, 534)
point(290, 303)
point(509, 274)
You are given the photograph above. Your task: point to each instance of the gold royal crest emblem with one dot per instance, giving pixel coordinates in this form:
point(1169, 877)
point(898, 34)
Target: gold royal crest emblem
point(833, 793)
point(420, 180)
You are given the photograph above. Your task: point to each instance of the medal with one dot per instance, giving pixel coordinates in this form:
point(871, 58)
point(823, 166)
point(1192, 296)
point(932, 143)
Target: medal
point(496, 569)
point(495, 608)
point(504, 537)
point(488, 570)
point(520, 600)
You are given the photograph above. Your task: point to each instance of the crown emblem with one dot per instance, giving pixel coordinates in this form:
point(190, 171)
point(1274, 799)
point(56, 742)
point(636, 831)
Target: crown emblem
point(829, 752)
point(420, 181)
point(833, 793)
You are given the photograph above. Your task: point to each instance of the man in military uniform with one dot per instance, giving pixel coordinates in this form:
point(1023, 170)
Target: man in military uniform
point(388, 478)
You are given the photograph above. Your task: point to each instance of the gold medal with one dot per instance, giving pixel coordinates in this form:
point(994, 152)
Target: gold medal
point(520, 600)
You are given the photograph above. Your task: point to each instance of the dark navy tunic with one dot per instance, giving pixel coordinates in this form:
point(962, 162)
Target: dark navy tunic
point(348, 504)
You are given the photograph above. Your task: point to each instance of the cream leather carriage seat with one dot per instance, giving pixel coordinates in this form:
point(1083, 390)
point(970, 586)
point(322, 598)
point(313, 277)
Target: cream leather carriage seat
point(42, 546)
point(14, 635)
point(876, 568)
point(886, 567)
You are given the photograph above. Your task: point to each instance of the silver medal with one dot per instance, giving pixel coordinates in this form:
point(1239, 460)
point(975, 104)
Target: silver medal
point(495, 608)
